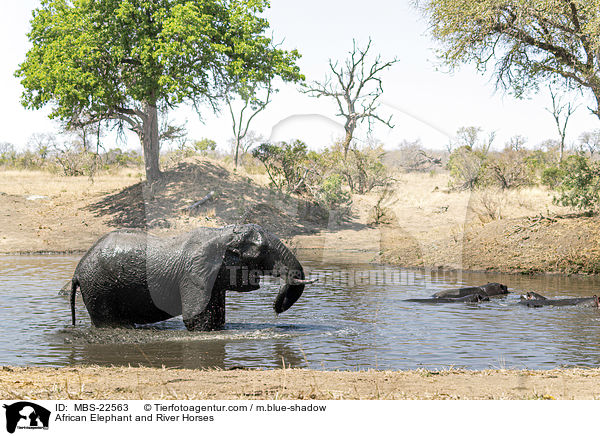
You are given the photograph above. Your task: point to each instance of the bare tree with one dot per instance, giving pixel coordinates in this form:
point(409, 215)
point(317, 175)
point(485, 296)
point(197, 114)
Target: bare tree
point(516, 143)
point(356, 86)
point(244, 144)
point(242, 116)
point(42, 144)
point(590, 141)
point(562, 113)
point(470, 137)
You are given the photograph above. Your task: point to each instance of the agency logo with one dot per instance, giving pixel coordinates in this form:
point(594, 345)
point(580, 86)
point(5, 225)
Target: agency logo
point(26, 415)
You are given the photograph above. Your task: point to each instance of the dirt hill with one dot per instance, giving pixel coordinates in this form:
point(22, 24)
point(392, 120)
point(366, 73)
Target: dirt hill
point(428, 226)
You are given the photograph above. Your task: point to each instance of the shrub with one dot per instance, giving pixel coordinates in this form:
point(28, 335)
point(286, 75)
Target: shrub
point(411, 156)
point(7, 154)
point(580, 184)
point(285, 163)
point(365, 169)
point(74, 160)
point(382, 212)
point(332, 197)
point(467, 168)
point(120, 158)
point(510, 169)
point(204, 145)
point(331, 194)
point(552, 177)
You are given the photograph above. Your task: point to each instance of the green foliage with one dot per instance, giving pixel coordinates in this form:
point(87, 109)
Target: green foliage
point(552, 176)
point(204, 145)
point(331, 193)
point(292, 168)
point(467, 167)
point(365, 169)
point(526, 42)
point(580, 185)
point(7, 154)
point(469, 157)
point(286, 164)
point(125, 60)
point(69, 159)
point(119, 158)
point(538, 159)
point(98, 56)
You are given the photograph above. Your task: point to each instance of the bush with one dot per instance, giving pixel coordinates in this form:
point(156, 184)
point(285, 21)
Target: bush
point(74, 160)
point(382, 212)
point(119, 158)
point(286, 164)
point(580, 184)
point(510, 169)
point(331, 193)
point(8, 154)
point(316, 176)
point(467, 168)
point(365, 169)
point(552, 177)
point(204, 145)
point(411, 156)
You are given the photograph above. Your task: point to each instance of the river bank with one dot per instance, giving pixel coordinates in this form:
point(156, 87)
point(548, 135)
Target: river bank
point(95, 382)
point(427, 226)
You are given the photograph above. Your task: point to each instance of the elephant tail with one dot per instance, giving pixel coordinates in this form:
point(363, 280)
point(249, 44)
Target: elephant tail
point(74, 285)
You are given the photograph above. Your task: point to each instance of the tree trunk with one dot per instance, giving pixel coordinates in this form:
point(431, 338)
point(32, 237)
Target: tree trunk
point(562, 150)
point(150, 143)
point(237, 150)
point(349, 127)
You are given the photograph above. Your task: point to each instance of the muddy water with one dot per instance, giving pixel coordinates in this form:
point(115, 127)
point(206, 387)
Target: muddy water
point(353, 318)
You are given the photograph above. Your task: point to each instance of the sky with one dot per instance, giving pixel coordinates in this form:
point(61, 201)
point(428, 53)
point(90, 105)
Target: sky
point(425, 100)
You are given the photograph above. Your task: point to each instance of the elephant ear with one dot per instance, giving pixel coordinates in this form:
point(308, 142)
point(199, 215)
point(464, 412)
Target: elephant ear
point(196, 286)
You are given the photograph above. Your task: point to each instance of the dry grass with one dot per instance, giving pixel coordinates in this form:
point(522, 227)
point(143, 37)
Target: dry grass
point(156, 383)
point(432, 227)
point(432, 224)
point(25, 182)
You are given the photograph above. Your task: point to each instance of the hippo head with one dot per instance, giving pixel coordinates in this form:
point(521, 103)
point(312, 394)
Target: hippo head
point(495, 289)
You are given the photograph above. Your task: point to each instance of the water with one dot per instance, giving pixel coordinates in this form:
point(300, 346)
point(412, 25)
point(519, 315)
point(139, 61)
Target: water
point(337, 324)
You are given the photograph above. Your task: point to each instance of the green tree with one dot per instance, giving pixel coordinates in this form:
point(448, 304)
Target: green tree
point(468, 157)
point(580, 184)
point(285, 163)
point(205, 145)
point(525, 42)
point(129, 61)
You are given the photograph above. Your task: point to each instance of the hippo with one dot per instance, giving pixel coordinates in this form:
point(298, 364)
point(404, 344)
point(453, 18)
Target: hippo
point(533, 296)
point(532, 299)
point(488, 290)
point(471, 298)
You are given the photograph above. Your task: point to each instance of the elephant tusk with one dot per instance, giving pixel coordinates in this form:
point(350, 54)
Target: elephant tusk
point(302, 282)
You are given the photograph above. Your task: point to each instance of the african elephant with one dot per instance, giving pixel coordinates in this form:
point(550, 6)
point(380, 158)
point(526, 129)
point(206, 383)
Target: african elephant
point(131, 277)
point(488, 290)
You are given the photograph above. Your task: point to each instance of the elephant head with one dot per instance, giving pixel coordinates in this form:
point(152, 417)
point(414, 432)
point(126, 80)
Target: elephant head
point(258, 253)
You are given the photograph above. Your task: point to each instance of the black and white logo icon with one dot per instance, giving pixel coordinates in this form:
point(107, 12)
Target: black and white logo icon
point(26, 415)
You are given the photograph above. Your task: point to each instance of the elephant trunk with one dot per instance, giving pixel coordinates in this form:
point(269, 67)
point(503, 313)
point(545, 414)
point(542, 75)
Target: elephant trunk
point(283, 263)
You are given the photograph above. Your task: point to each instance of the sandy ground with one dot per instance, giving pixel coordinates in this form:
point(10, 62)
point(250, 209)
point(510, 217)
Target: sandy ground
point(516, 231)
point(428, 226)
point(282, 384)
